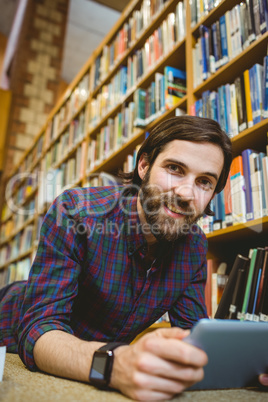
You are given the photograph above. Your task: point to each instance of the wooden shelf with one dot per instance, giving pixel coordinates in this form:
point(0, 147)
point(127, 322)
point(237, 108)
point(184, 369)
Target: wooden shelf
point(248, 229)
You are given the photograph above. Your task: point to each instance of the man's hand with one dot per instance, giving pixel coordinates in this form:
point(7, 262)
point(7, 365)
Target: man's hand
point(158, 366)
point(263, 379)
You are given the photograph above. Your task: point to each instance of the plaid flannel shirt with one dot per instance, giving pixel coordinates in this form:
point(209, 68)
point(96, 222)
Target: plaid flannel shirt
point(89, 278)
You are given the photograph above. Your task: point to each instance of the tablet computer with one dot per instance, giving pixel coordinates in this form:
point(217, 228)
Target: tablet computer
point(237, 352)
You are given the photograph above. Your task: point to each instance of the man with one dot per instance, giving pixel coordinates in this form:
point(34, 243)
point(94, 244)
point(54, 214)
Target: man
point(111, 261)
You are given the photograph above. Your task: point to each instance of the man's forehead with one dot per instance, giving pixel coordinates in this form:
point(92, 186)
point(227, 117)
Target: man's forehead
point(185, 146)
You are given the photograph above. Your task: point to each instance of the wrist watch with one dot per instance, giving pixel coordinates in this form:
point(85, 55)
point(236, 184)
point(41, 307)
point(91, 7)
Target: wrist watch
point(102, 364)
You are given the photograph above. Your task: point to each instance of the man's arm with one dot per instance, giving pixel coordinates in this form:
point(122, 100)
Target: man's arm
point(158, 366)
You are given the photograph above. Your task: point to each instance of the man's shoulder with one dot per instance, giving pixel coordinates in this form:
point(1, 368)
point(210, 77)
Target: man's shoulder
point(197, 237)
point(96, 200)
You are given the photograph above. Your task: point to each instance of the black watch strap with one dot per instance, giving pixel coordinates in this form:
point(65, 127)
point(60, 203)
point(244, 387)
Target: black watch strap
point(111, 346)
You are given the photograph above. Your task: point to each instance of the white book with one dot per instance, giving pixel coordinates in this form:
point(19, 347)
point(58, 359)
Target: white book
point(238, 198)
point(2, 360)
point(255, 175)
point(265, 176)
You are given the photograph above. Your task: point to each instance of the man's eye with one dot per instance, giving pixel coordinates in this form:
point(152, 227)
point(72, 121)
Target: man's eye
point(174, 168)
point(206, 184)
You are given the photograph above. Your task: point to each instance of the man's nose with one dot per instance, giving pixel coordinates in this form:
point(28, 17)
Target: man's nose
point(185, 190)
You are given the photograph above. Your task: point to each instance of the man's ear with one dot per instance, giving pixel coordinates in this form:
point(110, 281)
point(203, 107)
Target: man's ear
point(143, 165)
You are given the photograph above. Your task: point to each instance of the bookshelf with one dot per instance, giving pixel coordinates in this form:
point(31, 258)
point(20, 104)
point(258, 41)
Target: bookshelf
point(94, 128)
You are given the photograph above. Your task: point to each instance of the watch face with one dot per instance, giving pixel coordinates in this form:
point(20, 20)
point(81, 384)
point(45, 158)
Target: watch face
point(99, 367)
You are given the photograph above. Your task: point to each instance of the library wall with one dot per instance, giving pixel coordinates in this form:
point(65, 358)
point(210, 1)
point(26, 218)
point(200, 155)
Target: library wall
point(35, 73)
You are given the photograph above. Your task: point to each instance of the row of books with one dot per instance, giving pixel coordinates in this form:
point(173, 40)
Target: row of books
point(238, 105)
point(226, 38)
point(34, 154)
point(54, 180)
point(245, 296)
point(200, 8)
point(138, 65)
point(245, 196)
point(132, 29)
point(159, 44)
point(163, 94)
point(67, 142)
point(20, 244)
point(18, 271)
point(108, 98)
point(112, 136)
point(21, 214)
point(67, 111)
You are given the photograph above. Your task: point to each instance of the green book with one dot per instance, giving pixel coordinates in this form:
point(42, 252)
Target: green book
point(248, 284)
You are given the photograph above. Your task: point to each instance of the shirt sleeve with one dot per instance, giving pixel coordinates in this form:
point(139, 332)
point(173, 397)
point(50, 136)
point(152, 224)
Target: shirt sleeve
point(190, 306)
point(53, 279)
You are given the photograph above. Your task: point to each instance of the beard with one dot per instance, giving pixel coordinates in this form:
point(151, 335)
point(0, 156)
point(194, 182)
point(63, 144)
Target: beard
point(163, 226)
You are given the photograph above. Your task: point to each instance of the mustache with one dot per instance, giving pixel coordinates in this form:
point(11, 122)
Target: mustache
point(168, 199)
point(179, 203)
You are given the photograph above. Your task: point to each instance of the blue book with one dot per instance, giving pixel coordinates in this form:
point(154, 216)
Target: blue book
point(214, 105)
point(248, 188)
point(228, 109)
point(265, 2)
point(206, 105)
point(215, 45)
point(224, 45)
point(221, 92)
point(203, 30)
point(219, 211)
point(257, 76)
point(253, 94)
point(263, 26)
point(265, 88)
point(199, 108)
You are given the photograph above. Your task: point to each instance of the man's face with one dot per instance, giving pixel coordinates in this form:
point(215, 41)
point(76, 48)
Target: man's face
point(177, 188)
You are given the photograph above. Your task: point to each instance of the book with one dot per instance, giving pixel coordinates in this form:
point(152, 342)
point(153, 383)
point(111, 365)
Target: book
point(224, 43)
point(218, 282)
point(264, 162)
point(248, 188)
point(241, 103)
point(238, 190)
point(238, 293)
point(256, 184)
point(248, 98)
point(204, 38)
point(265, 87)
point(211, 296)
point(175, 85)
point(261, 307)
point(2, 361)
point(248, 285)
point(254, 283)
point(224, 305)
